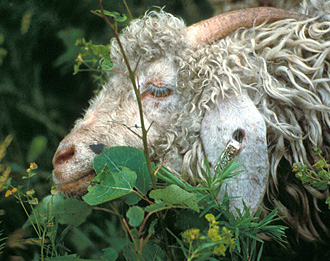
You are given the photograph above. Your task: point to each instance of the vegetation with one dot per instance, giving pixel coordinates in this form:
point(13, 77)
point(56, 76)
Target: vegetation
point(318, 177)
point(148, 215)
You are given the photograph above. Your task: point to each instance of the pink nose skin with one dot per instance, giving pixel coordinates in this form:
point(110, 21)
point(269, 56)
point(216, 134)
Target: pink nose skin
point(62, 159)
point(64, 156)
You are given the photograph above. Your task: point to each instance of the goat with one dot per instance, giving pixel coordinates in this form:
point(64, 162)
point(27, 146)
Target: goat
point(257, 79)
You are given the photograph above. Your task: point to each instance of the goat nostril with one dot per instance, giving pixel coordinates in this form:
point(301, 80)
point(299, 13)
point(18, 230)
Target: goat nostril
point(64, 155)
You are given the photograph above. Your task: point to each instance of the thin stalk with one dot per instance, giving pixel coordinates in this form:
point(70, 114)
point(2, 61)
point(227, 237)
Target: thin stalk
point(131, 75)
point(26, 212)
point(128, 11)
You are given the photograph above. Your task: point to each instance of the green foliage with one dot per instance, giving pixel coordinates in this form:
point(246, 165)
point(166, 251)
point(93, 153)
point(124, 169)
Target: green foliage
point(319, 177)
point(172, 197)
point(117, 175)
point(114, 15)
point(150, 251)
point(67, 211)
point(43, 223)
point(211, 242)
point(110, 254)
point(109, 185)
point(93, 58)
point(226, 233)
point(135, 216)
point(38, 104)
point(69, 37)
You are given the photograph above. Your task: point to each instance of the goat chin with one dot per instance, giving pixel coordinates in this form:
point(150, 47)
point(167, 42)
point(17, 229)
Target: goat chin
point(195, 98)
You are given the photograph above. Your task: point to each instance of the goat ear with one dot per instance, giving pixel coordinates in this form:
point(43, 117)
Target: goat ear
point(237, 119)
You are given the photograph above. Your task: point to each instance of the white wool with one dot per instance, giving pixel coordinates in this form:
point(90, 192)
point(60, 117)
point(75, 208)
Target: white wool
point(284, 68)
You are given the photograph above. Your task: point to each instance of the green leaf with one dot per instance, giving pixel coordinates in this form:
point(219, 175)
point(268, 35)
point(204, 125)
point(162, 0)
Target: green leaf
point(173, 197)
point(110, 254)
point(117, 16)
point(106, 63)
point(135, 216)
point(108, 185)
point(68, 211)
point(150, 251)
point(37, 147)
point(128, 157)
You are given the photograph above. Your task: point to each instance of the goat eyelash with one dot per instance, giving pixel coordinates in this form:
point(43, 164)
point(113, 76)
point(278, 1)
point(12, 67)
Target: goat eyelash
point(158, 91)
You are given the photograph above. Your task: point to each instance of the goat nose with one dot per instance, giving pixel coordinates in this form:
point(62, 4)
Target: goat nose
point(64, 156)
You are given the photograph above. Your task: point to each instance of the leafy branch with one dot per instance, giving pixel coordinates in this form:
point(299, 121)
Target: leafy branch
point(132, 77)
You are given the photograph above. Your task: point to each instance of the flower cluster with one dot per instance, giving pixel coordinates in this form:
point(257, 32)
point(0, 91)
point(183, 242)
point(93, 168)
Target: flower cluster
point(225, 239)
point(190, 235)
point(217, 242)
point(33, 166)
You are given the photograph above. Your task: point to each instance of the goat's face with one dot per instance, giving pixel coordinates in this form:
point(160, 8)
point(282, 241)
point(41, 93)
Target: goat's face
point(113, 120)
point(180, 96)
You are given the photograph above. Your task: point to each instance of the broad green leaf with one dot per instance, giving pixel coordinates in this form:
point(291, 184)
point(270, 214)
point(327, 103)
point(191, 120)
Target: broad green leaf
point(173, 196)
point(158, 206)
point(153, 251)
point(68, 211)
point(108, 185)
point(150, 251)
point(135, 216)
point(128, 157)
point(110, 254)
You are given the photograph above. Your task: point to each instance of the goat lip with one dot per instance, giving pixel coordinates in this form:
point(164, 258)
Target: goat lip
point(75, 187)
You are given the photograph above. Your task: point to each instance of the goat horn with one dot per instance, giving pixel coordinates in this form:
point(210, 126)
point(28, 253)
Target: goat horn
point(217, 27)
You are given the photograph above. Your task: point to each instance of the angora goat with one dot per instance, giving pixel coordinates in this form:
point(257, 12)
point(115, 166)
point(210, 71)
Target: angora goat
point(264, 88)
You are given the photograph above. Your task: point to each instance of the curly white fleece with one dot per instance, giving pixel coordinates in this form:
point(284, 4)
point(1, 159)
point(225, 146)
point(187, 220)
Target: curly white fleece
point(284, 67)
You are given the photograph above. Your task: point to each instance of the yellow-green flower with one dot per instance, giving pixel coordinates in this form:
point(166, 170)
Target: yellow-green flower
point(191, 234)
point(211, 219)
point(213, 233)
point(220, 250)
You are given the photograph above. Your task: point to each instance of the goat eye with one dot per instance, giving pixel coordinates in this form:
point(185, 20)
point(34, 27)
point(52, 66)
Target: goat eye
point(159, 91)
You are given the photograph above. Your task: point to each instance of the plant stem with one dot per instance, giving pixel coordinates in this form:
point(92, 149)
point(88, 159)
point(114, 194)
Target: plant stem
point(131, 75)
point(129, 11)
